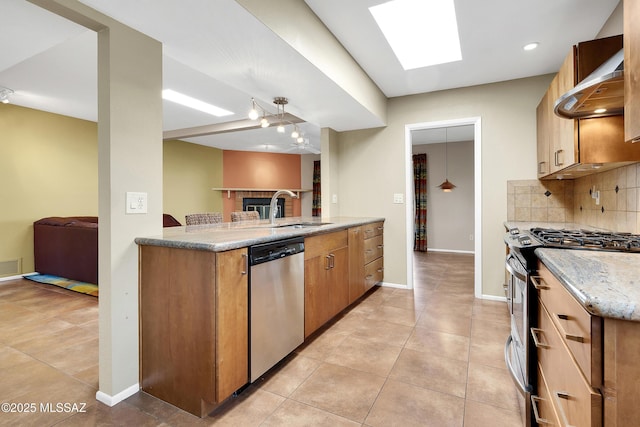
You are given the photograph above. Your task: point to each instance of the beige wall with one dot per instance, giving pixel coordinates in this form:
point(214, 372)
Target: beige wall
point(190, 171)
point(450, 216)
point(373, 163)
point(48, 167)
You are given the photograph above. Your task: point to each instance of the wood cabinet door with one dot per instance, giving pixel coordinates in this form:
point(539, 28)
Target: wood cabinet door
point(317, 307)
point(338, 283)
point(232, 322)
point(563, 152)
point(631, 73)
point(543, 130)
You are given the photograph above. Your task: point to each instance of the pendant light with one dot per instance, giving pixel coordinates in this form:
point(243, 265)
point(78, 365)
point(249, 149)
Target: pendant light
point(446, 186)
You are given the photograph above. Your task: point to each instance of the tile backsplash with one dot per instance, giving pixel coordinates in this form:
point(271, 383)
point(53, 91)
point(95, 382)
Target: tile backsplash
point(574, 201)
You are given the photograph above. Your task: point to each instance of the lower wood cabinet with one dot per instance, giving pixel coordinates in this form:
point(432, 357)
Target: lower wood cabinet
point(193, 325)
point(326, 278)
point(588, 371)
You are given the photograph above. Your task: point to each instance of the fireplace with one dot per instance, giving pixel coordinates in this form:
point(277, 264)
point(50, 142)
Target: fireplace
point(262, 205)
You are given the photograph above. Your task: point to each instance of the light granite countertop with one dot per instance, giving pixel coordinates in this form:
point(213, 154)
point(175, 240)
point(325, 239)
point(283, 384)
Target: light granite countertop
point(233, 235)
point(606, 283)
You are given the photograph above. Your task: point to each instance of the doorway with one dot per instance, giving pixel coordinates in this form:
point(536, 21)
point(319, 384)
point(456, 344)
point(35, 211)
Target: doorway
point(410, 130)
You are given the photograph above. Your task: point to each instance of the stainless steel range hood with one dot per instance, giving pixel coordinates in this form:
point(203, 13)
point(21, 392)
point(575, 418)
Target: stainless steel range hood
point(602, 89)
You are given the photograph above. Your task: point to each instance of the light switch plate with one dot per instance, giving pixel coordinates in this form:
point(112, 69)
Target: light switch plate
point(398, 198)
point(334, 198)
point(136, 203)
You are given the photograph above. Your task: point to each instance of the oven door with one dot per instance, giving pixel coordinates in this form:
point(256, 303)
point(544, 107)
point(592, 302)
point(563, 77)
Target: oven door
point(517, 345)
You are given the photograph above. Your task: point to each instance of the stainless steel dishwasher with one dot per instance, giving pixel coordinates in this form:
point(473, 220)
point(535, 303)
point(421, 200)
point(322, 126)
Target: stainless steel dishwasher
point(276, 302)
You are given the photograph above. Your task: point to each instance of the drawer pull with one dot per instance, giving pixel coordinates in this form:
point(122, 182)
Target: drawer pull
point(380, 270)
point(534, 404)
point(368, 251)
point(539, 283)
point(567, 335)
point(562, 395)
point(381, 228)
point(536, 341)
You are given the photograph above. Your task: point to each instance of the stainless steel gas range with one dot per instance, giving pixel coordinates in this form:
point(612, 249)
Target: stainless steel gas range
point(521, 264)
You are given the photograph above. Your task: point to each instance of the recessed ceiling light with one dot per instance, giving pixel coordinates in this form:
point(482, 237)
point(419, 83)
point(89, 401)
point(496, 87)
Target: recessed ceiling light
point(196, 104)
point(421, 33)
point(599, 110)
point(530, 46)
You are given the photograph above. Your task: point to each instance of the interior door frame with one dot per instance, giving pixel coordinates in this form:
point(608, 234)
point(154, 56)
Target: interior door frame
point(477, 182)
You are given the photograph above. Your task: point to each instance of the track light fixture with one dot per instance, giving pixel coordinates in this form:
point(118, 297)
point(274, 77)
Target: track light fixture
point(268, 118)
point(5, 92)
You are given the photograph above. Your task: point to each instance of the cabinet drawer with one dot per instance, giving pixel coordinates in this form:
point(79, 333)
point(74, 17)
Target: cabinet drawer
point(575, 402)
point(373, 249)
point(373, 273)
point(373, 229)
point(580, 331)
point(543, 409)
point(321, 244)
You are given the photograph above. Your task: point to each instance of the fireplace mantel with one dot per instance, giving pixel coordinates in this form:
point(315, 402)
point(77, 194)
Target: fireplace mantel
point(261, 190)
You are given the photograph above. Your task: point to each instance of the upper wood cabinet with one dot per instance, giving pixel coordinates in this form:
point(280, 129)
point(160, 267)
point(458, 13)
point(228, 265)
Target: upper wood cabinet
point(569, 148)
point(631, 72)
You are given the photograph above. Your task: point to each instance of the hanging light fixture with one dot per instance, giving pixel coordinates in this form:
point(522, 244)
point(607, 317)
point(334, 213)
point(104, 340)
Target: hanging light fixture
point(446, 186)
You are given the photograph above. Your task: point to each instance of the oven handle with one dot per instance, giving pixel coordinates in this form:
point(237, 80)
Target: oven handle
point(512, 271)
point(507, 360)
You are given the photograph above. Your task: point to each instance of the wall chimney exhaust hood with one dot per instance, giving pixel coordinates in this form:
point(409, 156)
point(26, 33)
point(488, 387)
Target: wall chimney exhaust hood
point(600, 94)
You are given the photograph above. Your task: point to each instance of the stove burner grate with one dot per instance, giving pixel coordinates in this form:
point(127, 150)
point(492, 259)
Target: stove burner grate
point(585, 239)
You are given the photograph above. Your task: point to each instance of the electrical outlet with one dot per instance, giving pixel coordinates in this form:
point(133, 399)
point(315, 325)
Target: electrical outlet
point(334, 198)
point(136, 203)
point(398, 198)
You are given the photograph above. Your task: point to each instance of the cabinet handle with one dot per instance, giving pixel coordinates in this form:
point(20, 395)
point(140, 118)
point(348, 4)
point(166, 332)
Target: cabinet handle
point(245, 264)
point(534, 404)
point(380, 270)
point(562, 395)
point(368, 277)
point(327, 264)
point(559, 161)
point(368, 251)
point(536, 341)
point(541, 168)
point(333, 260)
point(539, 283)
point(567, 335)
point(381, 228)
point(380, 246)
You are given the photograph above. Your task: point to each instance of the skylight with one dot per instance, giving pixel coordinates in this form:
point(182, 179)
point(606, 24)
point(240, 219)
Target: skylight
point(196, 104)
point(420, 32)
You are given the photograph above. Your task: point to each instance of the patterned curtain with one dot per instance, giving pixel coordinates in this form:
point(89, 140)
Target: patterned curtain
point(420, 197)
point(316, 210)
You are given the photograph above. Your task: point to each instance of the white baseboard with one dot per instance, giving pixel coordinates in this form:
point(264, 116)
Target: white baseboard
point(494, 298)
point(392, 285)
point(114, 400)
point(19, 276)
point(454, 251)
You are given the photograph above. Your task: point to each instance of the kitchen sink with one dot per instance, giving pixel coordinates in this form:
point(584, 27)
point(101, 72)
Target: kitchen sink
point(301, 225)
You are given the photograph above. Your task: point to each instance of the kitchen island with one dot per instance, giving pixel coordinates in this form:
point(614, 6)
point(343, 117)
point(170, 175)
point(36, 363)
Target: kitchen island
point(194, 305)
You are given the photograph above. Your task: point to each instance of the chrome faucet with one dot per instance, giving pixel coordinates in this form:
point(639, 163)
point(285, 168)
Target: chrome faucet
point(272, 206)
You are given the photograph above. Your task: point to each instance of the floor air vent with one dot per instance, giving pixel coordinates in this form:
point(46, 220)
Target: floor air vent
point(10, 267)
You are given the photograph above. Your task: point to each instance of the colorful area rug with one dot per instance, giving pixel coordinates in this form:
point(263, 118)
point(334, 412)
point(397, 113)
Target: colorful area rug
point(72, 285)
